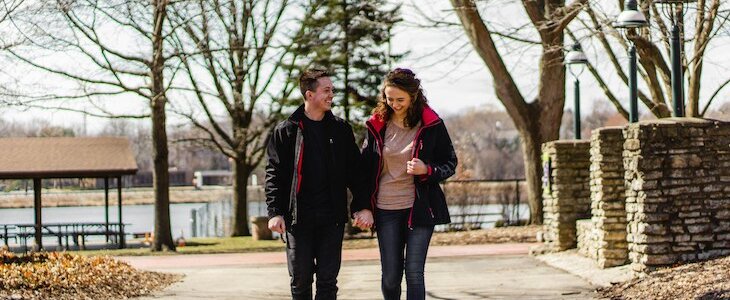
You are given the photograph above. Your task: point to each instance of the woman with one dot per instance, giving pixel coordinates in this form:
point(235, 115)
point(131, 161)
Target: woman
point(407, 152)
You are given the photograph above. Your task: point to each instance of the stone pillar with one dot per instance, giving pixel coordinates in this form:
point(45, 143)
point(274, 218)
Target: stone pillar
point(566, 191)
point(678, 191)
point(587, 238)
point(608, 197)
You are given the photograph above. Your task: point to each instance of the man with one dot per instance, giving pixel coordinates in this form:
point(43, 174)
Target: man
point(312, 158)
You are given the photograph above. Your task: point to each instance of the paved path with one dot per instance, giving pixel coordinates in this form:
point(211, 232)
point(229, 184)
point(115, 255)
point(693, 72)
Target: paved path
point(501, 271)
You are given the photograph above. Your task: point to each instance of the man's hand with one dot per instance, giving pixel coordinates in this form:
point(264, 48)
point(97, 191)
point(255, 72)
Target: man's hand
point(276, 224)
point(416, 167)
point(363, 219)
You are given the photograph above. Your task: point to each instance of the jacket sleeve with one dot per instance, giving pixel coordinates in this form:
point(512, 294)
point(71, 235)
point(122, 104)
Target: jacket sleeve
point(444, 162)
point(359, 175)
point(275, 202)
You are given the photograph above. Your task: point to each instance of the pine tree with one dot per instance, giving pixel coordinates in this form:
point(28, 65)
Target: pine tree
point(352, 40)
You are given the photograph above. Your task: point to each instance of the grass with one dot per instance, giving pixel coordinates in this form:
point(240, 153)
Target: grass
point(519, 234)
point(220, 245)
point(198, 246)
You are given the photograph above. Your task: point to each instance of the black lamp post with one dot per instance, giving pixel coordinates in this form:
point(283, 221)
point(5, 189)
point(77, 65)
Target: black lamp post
point(576, 61)
point(675, 10)
point(631, 18)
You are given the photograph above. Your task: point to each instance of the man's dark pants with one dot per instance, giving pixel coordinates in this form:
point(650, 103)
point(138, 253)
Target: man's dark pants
point(315, 247)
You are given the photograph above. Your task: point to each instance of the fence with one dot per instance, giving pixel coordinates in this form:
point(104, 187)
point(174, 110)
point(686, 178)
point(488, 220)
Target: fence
point(477, 204)
point(216, 218)
point(472, 204)
point(212, 219)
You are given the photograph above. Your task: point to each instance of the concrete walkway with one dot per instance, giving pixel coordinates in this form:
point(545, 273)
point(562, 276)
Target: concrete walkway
point(499, 271)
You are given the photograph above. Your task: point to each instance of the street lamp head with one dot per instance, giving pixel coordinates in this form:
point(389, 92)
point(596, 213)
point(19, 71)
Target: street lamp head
point(631, 17)
point(576, 60)
point(673, 2)
point(576, 56)
point(672, 7)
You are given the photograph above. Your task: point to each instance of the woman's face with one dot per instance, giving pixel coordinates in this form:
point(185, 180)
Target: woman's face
point(399, 100)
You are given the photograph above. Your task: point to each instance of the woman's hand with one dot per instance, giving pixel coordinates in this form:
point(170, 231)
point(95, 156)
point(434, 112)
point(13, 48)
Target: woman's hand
point(363, 219)
point(416, 167)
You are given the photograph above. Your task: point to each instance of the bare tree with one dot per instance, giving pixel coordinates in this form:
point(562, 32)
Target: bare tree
point(487, 145)
point(537, 121)
point(112, 50)
point(8, 8)
point(233, 53)
point(706, 21)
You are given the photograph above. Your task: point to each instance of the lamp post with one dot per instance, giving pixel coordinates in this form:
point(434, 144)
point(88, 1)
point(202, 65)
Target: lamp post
point(631, 18)
point(576, 61)
point(675, 10)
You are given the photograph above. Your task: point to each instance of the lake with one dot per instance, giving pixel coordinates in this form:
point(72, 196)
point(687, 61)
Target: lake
point(141, 217)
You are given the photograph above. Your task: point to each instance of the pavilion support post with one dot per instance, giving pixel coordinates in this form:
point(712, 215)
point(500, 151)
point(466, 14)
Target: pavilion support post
point(37, 205)
point(106, 208)
point(119, 201)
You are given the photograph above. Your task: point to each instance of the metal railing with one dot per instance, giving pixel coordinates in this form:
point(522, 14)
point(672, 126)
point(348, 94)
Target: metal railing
point(212, 219)
point(472, 204)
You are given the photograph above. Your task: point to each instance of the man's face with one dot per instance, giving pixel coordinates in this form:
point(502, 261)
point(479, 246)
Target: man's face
point(321, 98)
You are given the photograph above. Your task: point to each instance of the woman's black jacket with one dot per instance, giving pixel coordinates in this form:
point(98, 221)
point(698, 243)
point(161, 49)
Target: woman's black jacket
point(433, 146)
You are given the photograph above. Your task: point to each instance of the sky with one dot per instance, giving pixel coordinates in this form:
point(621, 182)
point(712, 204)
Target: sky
point(453, 76)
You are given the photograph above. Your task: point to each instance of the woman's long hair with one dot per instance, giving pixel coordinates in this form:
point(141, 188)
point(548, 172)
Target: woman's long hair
point(405, 80)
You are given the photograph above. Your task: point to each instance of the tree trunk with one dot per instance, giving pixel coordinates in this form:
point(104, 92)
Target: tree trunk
point(531, 151)
point(544, 118)
point(346, 46)
point(161, 179)
point(241, 172)
point(538, 121)
point(161, 176)
point(693, 99)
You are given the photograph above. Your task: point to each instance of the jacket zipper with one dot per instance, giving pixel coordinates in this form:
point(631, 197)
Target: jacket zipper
point(301, 158)
point(414, 154)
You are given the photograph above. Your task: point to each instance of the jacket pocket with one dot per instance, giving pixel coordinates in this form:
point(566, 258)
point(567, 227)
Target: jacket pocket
point(437, 204)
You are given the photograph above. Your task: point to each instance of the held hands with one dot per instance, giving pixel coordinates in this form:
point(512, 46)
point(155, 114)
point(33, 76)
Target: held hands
point(416, 167)
point(363, 219)
point(276, 224)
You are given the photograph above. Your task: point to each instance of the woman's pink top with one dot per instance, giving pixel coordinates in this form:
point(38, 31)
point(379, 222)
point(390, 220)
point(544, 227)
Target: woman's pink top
point(397, 190)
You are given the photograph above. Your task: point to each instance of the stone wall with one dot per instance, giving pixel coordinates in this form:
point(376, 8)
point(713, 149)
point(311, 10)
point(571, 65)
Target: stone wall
point(678, 191)
point(566, 191)
point(608, 197)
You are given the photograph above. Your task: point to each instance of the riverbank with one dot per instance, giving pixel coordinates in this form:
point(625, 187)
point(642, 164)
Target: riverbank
point(130, 196)
point(457, 193)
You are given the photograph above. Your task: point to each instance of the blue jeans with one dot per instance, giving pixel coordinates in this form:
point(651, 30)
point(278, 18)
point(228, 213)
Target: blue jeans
point(401, 249)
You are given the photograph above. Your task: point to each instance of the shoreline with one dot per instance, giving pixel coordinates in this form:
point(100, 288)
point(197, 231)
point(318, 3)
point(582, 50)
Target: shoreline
point(130, 196)
point(500, 193)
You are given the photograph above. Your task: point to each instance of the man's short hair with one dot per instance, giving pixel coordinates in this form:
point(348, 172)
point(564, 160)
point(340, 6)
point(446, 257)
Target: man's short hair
point(308, 79)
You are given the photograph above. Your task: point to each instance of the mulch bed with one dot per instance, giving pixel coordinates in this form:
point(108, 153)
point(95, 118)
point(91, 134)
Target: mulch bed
point(512, 234)
point(65, 276)
point(701, 280)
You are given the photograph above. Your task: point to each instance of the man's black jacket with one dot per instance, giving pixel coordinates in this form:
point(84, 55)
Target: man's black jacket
point(284, 165)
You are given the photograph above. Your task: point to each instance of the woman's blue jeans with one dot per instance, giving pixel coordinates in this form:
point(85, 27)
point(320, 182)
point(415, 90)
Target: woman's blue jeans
point(402, 249)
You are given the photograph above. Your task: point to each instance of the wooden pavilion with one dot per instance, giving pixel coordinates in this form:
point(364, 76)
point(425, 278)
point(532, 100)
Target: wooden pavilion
point(68, 157)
